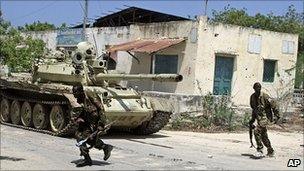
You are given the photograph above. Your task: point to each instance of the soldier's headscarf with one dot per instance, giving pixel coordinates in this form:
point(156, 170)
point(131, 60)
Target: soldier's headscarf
point(78, 93)
point(257, 87)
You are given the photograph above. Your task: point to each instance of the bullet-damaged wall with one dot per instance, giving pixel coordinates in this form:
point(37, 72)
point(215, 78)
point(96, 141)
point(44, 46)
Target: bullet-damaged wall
point(233, 41)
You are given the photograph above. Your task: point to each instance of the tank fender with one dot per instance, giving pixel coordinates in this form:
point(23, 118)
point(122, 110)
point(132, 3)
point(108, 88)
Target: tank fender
point(161, 104)
point(72, 100)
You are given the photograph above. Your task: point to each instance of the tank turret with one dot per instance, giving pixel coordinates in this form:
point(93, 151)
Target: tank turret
point(86, 69)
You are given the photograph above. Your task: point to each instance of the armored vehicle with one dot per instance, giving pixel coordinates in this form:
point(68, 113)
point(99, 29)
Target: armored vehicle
point(42, 100)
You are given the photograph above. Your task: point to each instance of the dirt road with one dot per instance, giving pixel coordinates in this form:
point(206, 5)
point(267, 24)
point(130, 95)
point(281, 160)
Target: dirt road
point(168, 150)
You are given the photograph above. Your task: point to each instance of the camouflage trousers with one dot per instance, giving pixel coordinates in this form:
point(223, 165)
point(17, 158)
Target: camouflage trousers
point(261, 138)
point(95, 142)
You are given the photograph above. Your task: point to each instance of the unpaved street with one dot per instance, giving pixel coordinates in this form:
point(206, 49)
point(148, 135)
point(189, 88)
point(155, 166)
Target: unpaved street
point(27, 150)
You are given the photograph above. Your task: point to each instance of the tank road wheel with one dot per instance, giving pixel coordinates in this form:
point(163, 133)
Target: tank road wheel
point(57, 119)
point(159, 120)
point(26, 114)
point(15, 112)
point(5, 110)
point(40, 119)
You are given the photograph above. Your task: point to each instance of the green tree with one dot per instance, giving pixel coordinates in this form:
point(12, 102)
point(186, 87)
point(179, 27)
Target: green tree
point(4, 26)
point(18, 51)
point(291, 22)
point(62, 26)
point(37, 26)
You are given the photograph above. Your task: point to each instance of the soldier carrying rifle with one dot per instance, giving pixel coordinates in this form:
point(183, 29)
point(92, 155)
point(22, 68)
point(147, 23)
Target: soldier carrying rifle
point(91, 125)
point(264, 111)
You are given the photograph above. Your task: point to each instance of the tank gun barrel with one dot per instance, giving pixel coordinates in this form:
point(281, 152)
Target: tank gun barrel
point(153, 77)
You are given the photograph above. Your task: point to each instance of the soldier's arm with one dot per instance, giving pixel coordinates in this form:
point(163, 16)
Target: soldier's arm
point(253, 114)
point(253, 117)
point(251, 101)
point(96, 102)
point(77, 114)
point(275, 109)
point(273, 105)
point(94, 99)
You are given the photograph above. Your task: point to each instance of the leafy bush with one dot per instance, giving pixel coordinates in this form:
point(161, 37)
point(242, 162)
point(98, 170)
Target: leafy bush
point(216, 114)
point(246, 119)
point(18, 51)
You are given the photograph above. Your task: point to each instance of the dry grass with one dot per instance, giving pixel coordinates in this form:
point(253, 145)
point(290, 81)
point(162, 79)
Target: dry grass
point(294, 123)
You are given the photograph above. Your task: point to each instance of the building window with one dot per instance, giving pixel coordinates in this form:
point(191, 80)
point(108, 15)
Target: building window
point(287, 47)
point(269, 70)
point(111, 63)
point(165, 64)
point(254, 43)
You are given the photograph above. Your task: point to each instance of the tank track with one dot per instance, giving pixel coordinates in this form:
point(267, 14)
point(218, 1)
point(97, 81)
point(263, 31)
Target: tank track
point(67, 130)
point(159, 120)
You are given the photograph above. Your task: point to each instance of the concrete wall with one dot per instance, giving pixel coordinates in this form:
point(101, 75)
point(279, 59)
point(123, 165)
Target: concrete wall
point(49, 37)
point(232, 41)
point(108, 36)
point(186, 51)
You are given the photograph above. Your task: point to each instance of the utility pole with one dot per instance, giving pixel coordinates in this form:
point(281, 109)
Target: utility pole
point(205, 11)
point(0, 11)
point(85, 19)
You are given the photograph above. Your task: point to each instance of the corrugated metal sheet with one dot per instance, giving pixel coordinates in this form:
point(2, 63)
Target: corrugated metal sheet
point(133, 15)
point(145, 45)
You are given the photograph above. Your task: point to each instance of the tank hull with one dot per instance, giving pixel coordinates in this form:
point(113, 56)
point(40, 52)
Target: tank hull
point(126, 107)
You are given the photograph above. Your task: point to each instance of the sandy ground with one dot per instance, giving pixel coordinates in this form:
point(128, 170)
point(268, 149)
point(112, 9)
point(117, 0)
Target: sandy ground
point(167, 150)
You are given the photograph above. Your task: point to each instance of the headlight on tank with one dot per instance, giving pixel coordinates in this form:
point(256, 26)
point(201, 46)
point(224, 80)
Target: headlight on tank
point(144, 102)
point(141, 101)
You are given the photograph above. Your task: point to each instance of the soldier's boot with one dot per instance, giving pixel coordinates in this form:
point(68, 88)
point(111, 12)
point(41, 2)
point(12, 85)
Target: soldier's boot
point(107, 151)
point(85, 162)
point(270, 152)
point(260, 149)
point(259, 153)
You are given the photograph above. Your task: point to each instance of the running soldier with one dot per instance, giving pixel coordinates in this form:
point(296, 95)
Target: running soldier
point(263, 110)
point(91, 124)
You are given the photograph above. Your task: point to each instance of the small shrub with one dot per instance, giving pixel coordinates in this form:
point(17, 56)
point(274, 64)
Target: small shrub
point(217, 114)
point(245, 120)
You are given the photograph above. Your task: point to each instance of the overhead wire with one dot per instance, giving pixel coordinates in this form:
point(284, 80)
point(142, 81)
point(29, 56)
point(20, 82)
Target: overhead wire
point(83, 10)
point(35, 11)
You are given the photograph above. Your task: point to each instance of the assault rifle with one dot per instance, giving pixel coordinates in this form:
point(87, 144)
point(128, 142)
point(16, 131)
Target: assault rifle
point(95, 133)
point(251, 128)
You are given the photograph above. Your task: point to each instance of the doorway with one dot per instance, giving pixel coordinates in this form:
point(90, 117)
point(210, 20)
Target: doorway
point(223, 75)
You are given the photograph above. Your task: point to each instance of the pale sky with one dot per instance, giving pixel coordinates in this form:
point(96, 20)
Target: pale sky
point(20, 12)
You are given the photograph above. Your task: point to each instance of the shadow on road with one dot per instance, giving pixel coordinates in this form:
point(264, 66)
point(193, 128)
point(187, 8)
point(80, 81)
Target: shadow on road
point(142, 142)
point(94, 162)
point(251, 156)
point(124, 135)
point(128, 135)
point(11, 158)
